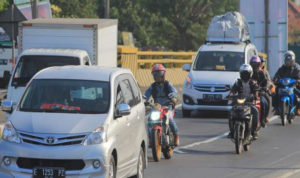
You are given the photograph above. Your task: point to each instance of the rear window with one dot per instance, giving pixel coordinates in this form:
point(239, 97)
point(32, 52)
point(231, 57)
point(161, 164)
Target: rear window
point(28, 66)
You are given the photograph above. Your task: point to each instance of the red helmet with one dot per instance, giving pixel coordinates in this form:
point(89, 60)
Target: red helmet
point(158, 71)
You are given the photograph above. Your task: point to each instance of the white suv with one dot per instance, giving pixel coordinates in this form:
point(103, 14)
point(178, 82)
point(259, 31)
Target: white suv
point(215, 67)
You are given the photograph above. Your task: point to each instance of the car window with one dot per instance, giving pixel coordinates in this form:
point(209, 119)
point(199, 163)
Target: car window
point(135, 90)
point(127, 92)
point(119, 96)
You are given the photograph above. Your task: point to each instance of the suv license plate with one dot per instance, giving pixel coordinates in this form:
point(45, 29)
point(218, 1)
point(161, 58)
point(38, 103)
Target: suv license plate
point(40, 172)
point(212, 97)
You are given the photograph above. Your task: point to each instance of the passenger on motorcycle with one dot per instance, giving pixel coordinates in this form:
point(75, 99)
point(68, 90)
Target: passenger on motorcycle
point(260, 78)
point(247, 87)
point(163, 93)
point(290, 69)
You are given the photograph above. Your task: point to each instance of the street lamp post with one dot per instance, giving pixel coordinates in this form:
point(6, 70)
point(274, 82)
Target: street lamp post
point(106, 7)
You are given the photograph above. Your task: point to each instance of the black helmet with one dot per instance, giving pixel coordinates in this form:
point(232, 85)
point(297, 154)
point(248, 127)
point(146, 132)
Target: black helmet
point(246, 72)
point(289, 58)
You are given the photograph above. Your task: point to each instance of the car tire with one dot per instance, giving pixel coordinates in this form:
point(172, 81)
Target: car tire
point(186, 113)
point(140, 165)
point(112, 168)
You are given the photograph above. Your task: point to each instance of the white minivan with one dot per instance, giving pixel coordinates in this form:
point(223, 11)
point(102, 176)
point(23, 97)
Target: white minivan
point(76, 121)
point(214, 69)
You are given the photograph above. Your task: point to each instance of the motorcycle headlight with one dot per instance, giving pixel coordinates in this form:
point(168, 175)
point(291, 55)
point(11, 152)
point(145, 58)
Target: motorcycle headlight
point(96, 137)
point(155, 116)
point(241, 101)
point(188, 83)
point(10, 134)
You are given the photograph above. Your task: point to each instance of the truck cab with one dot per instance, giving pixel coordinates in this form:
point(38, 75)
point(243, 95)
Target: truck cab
point(31, 61)
point(214, 69)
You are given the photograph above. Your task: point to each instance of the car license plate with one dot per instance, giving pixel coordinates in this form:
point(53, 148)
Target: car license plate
point(3, 61)
point(212, 97)
point(48, 172)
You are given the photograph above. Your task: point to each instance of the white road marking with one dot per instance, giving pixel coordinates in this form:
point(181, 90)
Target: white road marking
point(178, 149)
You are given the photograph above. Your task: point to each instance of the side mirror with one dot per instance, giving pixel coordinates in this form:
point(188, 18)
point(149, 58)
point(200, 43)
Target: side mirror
point(123, 110)
point(186, 67)
point(7, 106)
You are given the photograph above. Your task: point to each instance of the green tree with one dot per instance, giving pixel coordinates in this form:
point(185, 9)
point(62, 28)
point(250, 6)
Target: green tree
point(77, 8)
point(4, 4)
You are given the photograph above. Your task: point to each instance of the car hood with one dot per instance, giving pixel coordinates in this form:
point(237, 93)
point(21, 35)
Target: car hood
point(213, 77)
point(56, 123)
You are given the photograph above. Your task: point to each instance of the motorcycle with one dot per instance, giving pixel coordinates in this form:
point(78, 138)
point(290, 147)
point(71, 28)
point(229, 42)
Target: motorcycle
point(286, 106)
point(161, 136)
point(241, 120)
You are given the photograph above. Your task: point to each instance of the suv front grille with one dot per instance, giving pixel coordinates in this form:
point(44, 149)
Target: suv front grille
point(211, 88)
point(30, 163)
point(52, 140)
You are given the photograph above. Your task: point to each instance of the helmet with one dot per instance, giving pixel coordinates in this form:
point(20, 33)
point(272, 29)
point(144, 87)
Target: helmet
point(246, 72)
point(255, 62)
point(158, 71)
point(289, 58)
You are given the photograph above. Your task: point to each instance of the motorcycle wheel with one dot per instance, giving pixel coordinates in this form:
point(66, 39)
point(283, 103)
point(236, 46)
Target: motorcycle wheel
point(238, 140)
point(246, 147)
point(283, 114)
point(156, 146)
point(167, 152)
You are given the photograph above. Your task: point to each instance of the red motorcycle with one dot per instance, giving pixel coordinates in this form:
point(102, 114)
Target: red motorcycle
point(160, 134)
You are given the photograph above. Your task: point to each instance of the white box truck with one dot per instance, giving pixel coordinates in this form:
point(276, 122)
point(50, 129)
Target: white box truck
point(55, 42)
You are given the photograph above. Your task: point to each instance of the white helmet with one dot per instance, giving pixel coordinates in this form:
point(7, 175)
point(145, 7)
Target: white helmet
point(246, 72)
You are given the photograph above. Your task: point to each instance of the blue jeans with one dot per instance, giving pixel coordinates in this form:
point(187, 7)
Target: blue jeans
point(173, 125)
point(264, 107)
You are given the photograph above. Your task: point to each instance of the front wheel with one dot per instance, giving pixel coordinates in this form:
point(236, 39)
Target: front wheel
point(141, 165)
point(238, 139)
point(167, 152)
point(156, 146)
point(283, 114)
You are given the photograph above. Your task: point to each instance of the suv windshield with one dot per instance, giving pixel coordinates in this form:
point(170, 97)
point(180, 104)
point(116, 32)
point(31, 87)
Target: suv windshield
point(219, 61)
point(61, 95)
point(28, 66)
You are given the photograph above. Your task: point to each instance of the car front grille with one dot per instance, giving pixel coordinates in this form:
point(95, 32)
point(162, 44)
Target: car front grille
point(71, 165)
point(52, 140)
point(211, 88)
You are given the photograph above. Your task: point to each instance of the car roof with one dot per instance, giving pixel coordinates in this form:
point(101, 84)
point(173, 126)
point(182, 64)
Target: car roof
point(234, 47)
point(55, 52)
point(80, 73)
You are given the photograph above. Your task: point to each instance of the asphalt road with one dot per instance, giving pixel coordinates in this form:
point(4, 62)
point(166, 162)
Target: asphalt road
point(205, 152)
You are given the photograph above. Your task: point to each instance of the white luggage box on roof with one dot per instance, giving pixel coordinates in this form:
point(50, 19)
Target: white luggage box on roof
point(230, 27)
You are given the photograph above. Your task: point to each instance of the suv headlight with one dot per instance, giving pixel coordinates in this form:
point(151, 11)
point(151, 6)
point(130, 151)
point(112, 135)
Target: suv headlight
point(96, 137)
point(188, 83)
point(155, 115)
point(10, 134)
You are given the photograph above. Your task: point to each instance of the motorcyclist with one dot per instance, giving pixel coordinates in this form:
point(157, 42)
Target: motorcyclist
point(260, 78)
point(163, 93)
point(290, 69)
point(247, 87)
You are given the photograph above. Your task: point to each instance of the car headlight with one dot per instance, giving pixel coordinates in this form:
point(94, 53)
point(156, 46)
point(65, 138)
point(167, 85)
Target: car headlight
point(96, 137)
point(155, 116)
point(188, 83)
point(241, 101)
point(10, 134)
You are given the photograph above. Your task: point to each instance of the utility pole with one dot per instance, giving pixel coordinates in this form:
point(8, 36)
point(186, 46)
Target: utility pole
point(35, 8)
point(106, 7)
point(267, 20)
point(13, 33)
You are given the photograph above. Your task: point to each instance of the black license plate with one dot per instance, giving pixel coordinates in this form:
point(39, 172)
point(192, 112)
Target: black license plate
point(3, 61)
point(212, 97)
point(48, 172)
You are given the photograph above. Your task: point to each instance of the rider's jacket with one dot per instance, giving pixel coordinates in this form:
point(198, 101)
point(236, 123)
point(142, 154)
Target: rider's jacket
point(260, 77)
point(160, 92)
point(246, 88)
point(285, 72)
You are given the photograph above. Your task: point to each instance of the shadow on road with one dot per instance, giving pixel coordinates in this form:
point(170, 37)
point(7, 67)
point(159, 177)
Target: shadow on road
point(207, 152)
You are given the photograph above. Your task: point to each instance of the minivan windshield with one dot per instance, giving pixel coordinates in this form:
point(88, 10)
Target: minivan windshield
point(28, 66)
point(67, 96)
point(219, 61)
